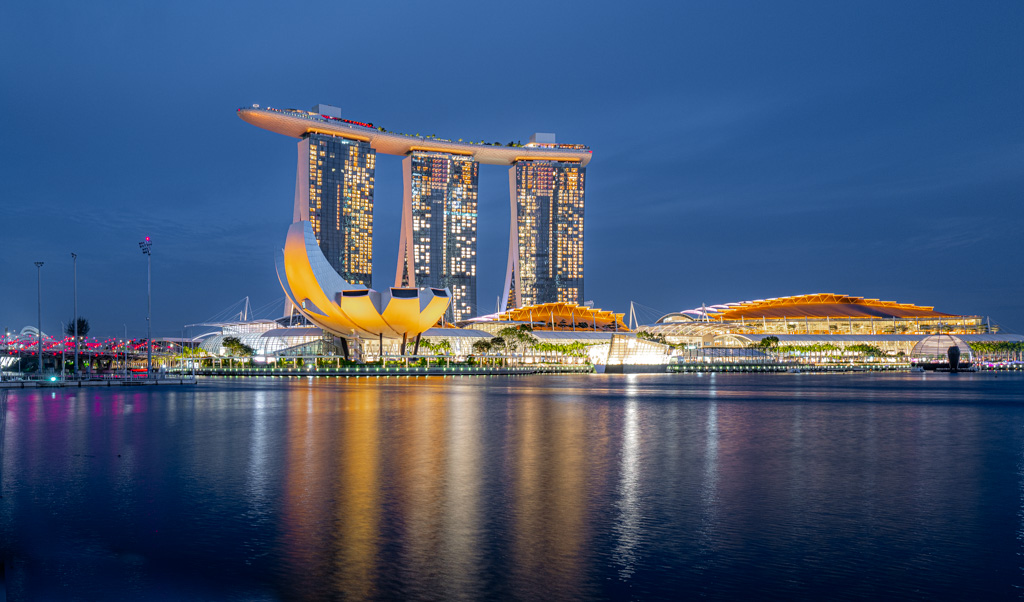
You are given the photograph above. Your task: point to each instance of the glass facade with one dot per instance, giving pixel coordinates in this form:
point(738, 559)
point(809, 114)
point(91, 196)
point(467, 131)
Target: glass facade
point(444, 220)
point(341, 173)
point(549, 214)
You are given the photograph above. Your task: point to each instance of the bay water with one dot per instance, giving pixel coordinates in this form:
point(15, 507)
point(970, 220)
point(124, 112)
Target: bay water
point(721, 486)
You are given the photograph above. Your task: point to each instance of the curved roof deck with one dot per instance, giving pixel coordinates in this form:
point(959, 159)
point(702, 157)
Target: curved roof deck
point(297, 123)
point(821, 305)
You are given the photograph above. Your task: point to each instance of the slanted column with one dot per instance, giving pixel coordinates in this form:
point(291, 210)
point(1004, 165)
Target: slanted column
point(512, 291)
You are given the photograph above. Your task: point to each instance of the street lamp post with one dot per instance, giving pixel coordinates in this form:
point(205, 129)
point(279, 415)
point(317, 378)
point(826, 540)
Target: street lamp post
point(39, 313)
point(74, 257)
point(63, 345)
point(146, 247)
point(7, 348)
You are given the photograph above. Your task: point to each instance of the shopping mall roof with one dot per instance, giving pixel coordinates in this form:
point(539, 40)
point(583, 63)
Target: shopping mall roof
point(561, 316)
point(461, 333)
point(819, 305)
point(880, 338)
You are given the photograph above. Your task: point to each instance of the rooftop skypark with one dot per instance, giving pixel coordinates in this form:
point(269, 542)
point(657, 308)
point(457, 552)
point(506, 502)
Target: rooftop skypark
point(298, 123)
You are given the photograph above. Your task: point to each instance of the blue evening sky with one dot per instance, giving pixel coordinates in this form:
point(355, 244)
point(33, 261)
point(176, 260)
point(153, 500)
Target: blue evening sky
point(742, 150)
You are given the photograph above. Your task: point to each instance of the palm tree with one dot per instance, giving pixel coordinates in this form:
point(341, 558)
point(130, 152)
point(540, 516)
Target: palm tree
point(83, 327)
point(481, 347)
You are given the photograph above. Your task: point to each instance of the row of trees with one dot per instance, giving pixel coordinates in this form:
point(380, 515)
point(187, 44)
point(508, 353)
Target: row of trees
point(442, 347)
point(521, 340)
point(989, 350)
point(830, 349)
point(998, 349)
point(509, 340)
point(771, 343)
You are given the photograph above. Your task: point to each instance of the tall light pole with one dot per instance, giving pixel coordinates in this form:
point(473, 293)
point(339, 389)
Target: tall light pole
point(125, 351)
point(74, 257)
point(146, 247)
point(63, 345)
point(39, 312)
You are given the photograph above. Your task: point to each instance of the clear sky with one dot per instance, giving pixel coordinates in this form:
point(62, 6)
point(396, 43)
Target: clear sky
point(742, 150)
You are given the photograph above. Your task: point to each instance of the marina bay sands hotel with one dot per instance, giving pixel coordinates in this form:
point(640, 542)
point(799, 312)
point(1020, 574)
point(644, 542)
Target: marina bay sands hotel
point(334, 191)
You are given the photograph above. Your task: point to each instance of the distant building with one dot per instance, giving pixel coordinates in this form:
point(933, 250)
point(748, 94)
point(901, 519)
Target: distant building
point(821, 319)
point(437, 247)
point(820, 314)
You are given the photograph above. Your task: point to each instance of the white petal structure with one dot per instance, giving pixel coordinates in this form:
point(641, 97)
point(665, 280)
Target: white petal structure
point(344, 309)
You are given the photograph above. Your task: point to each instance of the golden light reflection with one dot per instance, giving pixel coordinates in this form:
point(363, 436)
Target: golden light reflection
point(550, 495)
point(333, 454)
point(403, 462)
point(464, 516)
point(357, 516)
point(418, 450)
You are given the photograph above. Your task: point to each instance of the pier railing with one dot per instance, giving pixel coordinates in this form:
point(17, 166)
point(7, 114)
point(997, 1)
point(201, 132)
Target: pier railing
point(369, 370)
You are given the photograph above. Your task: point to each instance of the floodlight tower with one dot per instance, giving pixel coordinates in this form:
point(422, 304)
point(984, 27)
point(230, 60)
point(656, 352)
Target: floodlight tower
point(146, 247)
point(74, 258)
point(39, 313)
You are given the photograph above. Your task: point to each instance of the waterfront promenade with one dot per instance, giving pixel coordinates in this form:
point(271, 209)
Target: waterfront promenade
point(372, 370)
point(98, 382)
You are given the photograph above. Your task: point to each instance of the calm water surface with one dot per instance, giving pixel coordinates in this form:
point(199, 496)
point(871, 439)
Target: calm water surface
point(544, 487)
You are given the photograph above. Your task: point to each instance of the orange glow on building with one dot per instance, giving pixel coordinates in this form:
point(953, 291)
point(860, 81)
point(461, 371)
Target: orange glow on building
point(565, 316)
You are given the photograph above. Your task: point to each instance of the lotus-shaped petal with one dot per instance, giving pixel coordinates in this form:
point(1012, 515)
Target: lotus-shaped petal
point(344, 309)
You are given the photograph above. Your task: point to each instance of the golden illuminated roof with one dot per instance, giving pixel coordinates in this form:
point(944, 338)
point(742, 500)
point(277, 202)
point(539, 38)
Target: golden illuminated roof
point(559, 316)
point(297, 124)
point(820, 305)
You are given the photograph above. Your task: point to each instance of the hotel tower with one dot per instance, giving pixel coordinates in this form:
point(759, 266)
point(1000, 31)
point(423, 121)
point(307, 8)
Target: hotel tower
point(438, 240)
point(545, 262)
point(334, 191)
point(437, 246)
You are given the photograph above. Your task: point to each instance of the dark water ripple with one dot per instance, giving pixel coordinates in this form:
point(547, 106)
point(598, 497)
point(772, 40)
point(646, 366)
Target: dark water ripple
point(578, 487)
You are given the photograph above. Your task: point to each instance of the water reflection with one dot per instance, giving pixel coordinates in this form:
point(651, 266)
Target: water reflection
point(355, 530)
point(709, 488)
point(464, 516)
point(1019, 581)
point(418, 448)
point(332, 508)
point(627, 527)
point(546, 488)
point(549, 495)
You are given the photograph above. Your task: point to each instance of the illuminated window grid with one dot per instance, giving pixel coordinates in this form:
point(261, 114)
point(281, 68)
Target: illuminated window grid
point(444, 216)
point(341, 204)
point(550, 223)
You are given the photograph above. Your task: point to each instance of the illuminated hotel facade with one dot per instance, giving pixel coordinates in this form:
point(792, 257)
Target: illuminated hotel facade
point(437, 246)
point(545, 263)
point(334, 191)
